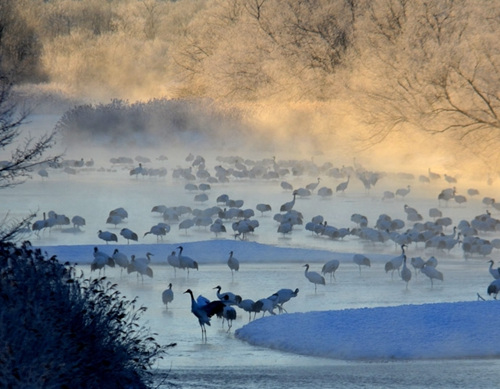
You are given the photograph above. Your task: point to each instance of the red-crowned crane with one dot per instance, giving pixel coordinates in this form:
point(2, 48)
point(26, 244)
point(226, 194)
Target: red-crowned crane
point(186, 262)
point(284, 295)
point(167, 295)
point(141, 266)
point(494, 272)
point(121, 260)
point(227, 298)
point(314, 277)
point(233, 263)
point(101, 260)
point(204, 312)
point(405, 272)
point(129, 235)
point(330, 267)
point(107, 236)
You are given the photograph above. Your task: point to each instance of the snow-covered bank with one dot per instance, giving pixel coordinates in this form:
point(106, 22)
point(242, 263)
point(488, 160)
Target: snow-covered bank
point(428, 331)
point(205, 252)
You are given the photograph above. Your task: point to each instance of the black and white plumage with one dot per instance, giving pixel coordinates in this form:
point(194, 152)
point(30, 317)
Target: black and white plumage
point(494, 288)
point(227, 298)
point(284, 295)
point(222, 199)
point(289, 205)
point(121, 260)
point(186, 262)
point(432, 273)
point(39, 225)
point(218, 227)
point(101, 259)
point(141, 266)
point(261, 207)
point(494, 272)
point(314, 277)
point(228, 314)
point(250, 306)
point(160, 230)
point(343, 185)
point(233, 263)
point(330, 267)
point(121, 212)
point(417, 263)
point(204, 312)
point(167, 295)
point(107, 236)
point(173, 260)
point(267, 305)
point(313, 186)
point(432, 261)
point(186, 224)
point(361, 260)
point(405, 272)
point(114, 219)
point(137, 171)
point(285, 227)
point(129, 235)
point(396, 262)
point(77, 221)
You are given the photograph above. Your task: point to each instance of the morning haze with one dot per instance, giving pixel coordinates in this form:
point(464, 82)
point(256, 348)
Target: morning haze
point(396, 84)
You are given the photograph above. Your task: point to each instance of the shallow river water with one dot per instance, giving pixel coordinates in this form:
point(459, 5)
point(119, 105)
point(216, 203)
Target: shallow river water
point(224, 361)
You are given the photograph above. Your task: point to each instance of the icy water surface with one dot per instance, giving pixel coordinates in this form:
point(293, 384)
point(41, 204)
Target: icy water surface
point(224, 361)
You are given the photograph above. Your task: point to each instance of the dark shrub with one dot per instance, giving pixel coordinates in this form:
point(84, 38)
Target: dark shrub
point(60, 330)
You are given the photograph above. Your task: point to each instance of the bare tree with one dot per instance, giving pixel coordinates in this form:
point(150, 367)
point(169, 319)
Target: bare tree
point(20, 47)
point(26, 154)
point(316, 33)
point(152, 18)
point(433, 66)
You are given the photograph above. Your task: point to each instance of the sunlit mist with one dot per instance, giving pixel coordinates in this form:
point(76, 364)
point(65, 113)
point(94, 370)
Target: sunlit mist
point(394, 86)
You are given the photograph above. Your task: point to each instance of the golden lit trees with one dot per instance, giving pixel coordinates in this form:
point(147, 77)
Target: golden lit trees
point(430, 65)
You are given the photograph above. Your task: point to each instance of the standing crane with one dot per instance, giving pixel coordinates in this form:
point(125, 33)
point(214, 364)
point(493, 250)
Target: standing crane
point(129, 235)
point(330, 267)
point(405, 272)
point(314, 277)
point(494, 272)
point(167, 295)
point(233, 263)
point(204, 311)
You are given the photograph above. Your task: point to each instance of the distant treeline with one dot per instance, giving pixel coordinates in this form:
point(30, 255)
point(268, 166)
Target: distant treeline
point(164, 120)
point(427, 66)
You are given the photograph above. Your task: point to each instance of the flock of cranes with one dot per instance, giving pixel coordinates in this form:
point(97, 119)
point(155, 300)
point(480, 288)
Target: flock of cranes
point(202, 308)
point(426, 231)
point(226, 303)
point(223, 307)
point(465, 234)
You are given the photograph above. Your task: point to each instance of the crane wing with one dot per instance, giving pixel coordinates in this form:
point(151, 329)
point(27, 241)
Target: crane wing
point(213, 308)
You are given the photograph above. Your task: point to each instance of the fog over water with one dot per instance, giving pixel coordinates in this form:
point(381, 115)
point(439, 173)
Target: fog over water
point(269, 260)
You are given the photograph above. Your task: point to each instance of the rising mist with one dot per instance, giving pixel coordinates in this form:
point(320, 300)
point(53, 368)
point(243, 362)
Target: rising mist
point(391, 83)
